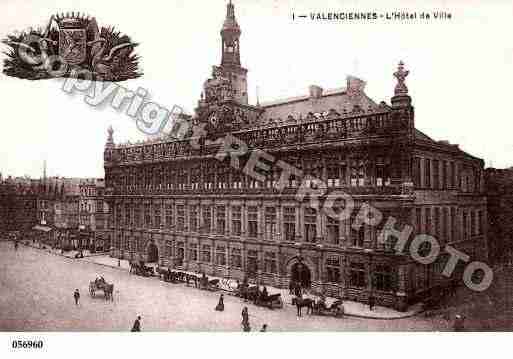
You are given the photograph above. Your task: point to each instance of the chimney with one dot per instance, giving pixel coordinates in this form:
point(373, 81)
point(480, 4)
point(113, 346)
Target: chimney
point(315, 91)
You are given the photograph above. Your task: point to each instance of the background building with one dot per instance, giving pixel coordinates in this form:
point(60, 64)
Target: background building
point(93, 215)
point(499, 190)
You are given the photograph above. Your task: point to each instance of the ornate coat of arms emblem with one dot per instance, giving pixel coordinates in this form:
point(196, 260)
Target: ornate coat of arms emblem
point(72, 45)
point(77, 42)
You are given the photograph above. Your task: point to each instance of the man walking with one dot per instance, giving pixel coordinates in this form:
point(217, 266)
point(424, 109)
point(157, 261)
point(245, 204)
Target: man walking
point(137, 325)
point(372, 301)
point(76, 295)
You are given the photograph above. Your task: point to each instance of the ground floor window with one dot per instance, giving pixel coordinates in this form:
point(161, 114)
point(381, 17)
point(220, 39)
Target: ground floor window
point(357, 275)
point(236, 260)
point(205, 253)
point(221, 255)
point(270, 263)
point(252, 262)
point(180, 253)
point(193, 252)
point(333, 269)
point(383, 278)
point(169, 249)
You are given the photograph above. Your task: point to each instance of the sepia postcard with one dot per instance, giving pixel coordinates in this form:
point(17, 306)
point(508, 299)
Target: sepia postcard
point(254, 166)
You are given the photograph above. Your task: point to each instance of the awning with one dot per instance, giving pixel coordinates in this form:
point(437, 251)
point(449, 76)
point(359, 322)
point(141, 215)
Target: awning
point(42, 228)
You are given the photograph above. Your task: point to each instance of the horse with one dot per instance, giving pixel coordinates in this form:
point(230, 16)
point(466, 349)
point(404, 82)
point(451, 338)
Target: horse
point(108, 289)
point(303, 302)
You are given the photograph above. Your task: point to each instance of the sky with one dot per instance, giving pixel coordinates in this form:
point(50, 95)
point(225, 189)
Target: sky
point(460, 70)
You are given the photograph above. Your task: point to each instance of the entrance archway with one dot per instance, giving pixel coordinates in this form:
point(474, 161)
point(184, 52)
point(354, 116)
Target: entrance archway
point(300, 273)
point(153, 252)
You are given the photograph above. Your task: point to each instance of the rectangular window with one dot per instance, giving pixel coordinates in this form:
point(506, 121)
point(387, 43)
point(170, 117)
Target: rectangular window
point(270, 263)
point(169, 215)
point(452, 175)
point(205, 253)
point(332, 269)
point(126, 243)
point(221, 255)
point(128, 217)
point(207, 218)
point(416, 172)
point(270, 223)
point(193, 252)
point(289, 220)
point(252, 263)
point(357, 275)
point(472, 223)
point(382, 172)
point(180, 253)
point(221, 219)
point(436, 222)
point(464, 225)
point(310, 225)
point(193, 218)
point(333, 175)
point(444, 174)
point(236, 258)
point(428, 229)
point(357, 234)
point(427, 173)
point(436, 174)
point(383, 278)
point(169, 249)
point(236, 220)
point(453, 224)
point(158, 215)
point(147, 215)
point(333, 227)
point(180, 217)
point(418, 220)
point(252, 221)
point(445, 215)
point(117, 215)
point(480, 223)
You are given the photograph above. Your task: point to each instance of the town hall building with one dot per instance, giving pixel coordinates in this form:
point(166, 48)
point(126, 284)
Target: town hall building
point(175, 202)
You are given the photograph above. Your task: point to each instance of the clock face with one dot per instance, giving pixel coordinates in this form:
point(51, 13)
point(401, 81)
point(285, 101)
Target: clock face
point(213, 119)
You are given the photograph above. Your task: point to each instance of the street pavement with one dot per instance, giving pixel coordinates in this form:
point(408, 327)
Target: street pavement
point(36, 294)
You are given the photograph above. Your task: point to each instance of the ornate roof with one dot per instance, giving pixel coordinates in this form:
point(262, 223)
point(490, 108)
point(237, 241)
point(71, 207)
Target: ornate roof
point(299, 107)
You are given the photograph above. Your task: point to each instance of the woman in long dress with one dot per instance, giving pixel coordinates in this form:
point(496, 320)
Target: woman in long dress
point(220, 305)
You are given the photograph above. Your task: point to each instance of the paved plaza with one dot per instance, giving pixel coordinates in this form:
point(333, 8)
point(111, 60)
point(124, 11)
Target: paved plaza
point(37, 294)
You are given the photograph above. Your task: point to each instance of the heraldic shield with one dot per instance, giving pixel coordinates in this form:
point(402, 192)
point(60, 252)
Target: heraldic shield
point(74, 41)
point(72, 45)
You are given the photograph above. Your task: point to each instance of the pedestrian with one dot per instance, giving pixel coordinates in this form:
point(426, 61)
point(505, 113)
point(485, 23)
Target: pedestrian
point(220, 305)
point(245, 316)
point(76, 295)
point(264, 328)
point(372, 301)
point(137, 325)
point(15, 245)
point(459, 324)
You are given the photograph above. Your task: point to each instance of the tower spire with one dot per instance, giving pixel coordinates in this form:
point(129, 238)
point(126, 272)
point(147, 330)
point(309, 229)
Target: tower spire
point(230, 34)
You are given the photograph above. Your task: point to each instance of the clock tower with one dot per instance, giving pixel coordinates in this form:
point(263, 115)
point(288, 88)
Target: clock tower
point(230, 56)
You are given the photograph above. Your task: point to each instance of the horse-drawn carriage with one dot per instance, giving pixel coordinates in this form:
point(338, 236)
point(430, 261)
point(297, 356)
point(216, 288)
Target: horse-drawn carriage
point(260, 298)
point(100, 284)
point(139, 268)
point(335, 309)
point(318, 306)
